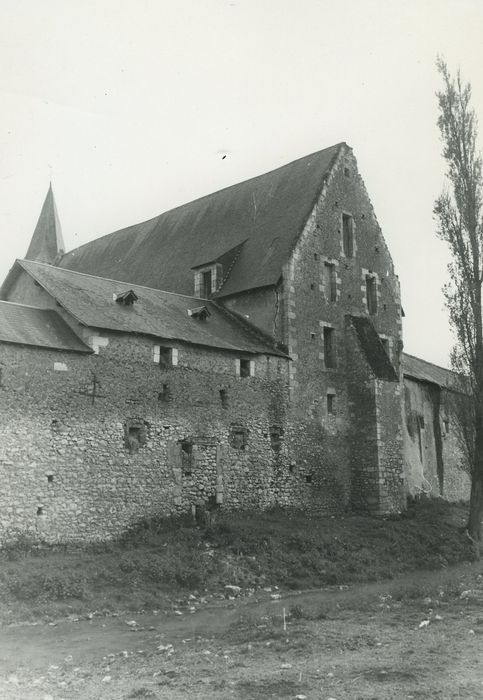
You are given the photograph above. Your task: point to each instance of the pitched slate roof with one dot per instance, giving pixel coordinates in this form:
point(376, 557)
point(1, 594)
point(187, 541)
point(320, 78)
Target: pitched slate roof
point(28, 325)
point(373, 349)
point(47, 242)
point(92, 301)
point(267, 212)
point(424, 371)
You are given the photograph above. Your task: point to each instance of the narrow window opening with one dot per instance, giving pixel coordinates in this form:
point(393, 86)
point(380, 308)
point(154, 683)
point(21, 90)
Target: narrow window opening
point(371, 294)
point(40, 511)
point(276, 438)
point(163, 395)
point(187, 457)
point(329, 347)
point(446, 425)
point(206, 281)
point(50, 478)
point(224, 398)
point(308, 478)
point(348, 235)
point(330, 282)
point(331, 404)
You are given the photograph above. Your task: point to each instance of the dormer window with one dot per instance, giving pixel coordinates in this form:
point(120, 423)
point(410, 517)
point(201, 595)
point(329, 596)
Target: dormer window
point(200, 313)
point(206, 283)
point(126, 298)
point(208, 280)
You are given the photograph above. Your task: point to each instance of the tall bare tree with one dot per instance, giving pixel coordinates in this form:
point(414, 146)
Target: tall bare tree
point(458, 213)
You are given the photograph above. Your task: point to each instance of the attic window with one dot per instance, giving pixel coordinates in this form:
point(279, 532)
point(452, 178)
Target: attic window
point(165, 357)
point(126, 298)
point(201, 313)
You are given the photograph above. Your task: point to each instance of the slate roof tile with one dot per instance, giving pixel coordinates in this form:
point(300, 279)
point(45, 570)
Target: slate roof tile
point(28, 325)
point(91, 300)
point(267, 212)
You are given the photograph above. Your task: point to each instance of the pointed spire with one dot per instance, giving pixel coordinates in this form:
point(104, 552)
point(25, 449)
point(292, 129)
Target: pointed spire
point(47, 244)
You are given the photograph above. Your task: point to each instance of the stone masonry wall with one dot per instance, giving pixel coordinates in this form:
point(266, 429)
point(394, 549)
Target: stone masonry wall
point(72, 464)
point(321, 286)
point(421, 451)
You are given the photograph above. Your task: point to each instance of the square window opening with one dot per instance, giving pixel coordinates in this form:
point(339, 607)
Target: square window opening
point(238, 437)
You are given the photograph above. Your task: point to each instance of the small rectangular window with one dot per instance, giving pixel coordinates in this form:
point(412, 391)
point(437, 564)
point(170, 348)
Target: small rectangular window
point(329, 347)
point(330, 282)
point(165, 357)
point(245, 368)
point(330, 404)
point(371, 294)
point(348, 235)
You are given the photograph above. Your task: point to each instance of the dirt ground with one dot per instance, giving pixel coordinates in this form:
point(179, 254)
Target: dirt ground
point(418, 636)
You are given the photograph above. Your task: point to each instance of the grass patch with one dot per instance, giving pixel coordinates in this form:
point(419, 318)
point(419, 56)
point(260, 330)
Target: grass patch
point(160, 559)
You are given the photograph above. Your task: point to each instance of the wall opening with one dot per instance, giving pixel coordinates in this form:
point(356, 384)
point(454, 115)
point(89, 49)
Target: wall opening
point(163, 395)
point(330, 279)
point(238, 437)
point(244, 368)
point(50, 478)
point(329, 347)
point(348, 235)
point(134, 435)
point(308, 478)
point(224, 398)
point(40, 510)
point(186, 456)
point(276, 433)
point(371, 294)
point(331, 404)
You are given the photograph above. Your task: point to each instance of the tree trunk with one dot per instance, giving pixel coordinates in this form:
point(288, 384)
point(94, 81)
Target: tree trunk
point(476, 497)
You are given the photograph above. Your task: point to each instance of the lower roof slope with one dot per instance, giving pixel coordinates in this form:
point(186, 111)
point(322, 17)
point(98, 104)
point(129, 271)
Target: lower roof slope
point(44, 328)
point(268, 212)
point(425, 371)
point(92, 301)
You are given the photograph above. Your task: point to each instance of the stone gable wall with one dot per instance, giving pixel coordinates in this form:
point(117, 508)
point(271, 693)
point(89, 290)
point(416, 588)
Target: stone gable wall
point(329, 445)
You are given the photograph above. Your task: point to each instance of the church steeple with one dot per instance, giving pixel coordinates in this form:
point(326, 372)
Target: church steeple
point(47, 244)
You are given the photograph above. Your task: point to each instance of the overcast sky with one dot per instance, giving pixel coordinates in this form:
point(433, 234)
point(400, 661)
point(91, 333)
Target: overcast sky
point(130, 105)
